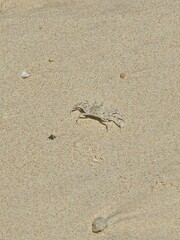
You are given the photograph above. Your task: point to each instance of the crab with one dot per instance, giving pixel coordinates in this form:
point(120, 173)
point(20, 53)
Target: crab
point(98, 112)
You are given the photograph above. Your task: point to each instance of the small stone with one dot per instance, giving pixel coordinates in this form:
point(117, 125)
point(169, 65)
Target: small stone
point(52, 137)
point(122, 75)
point(25, 74)
point(99, 224)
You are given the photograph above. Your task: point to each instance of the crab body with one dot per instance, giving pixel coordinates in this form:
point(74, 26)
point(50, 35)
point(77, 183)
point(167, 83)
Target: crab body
point(98, 112)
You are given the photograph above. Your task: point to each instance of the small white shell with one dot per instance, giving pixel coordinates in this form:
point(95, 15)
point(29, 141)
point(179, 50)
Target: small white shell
point(25, 74)
point(99, 224)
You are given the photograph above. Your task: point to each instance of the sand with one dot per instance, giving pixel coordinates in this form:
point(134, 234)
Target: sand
point(53, 188)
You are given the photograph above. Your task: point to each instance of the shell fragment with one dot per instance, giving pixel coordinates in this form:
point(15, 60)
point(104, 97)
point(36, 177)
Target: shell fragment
point(25, 74)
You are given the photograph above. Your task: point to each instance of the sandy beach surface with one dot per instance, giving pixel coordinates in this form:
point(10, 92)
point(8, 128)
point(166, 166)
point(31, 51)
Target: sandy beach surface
point(76, 51)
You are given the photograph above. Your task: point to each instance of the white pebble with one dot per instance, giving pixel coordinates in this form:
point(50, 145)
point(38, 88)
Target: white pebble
point(99, 224)
point(25, 74)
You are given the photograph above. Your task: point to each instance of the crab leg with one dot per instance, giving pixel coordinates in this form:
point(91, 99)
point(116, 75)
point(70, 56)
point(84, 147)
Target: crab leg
point(81, 116)
point(105, 125)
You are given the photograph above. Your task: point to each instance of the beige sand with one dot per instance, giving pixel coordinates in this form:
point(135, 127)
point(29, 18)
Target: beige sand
point(76, 50)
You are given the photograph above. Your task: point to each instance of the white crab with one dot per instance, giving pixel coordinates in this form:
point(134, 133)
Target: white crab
point(98, 112)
